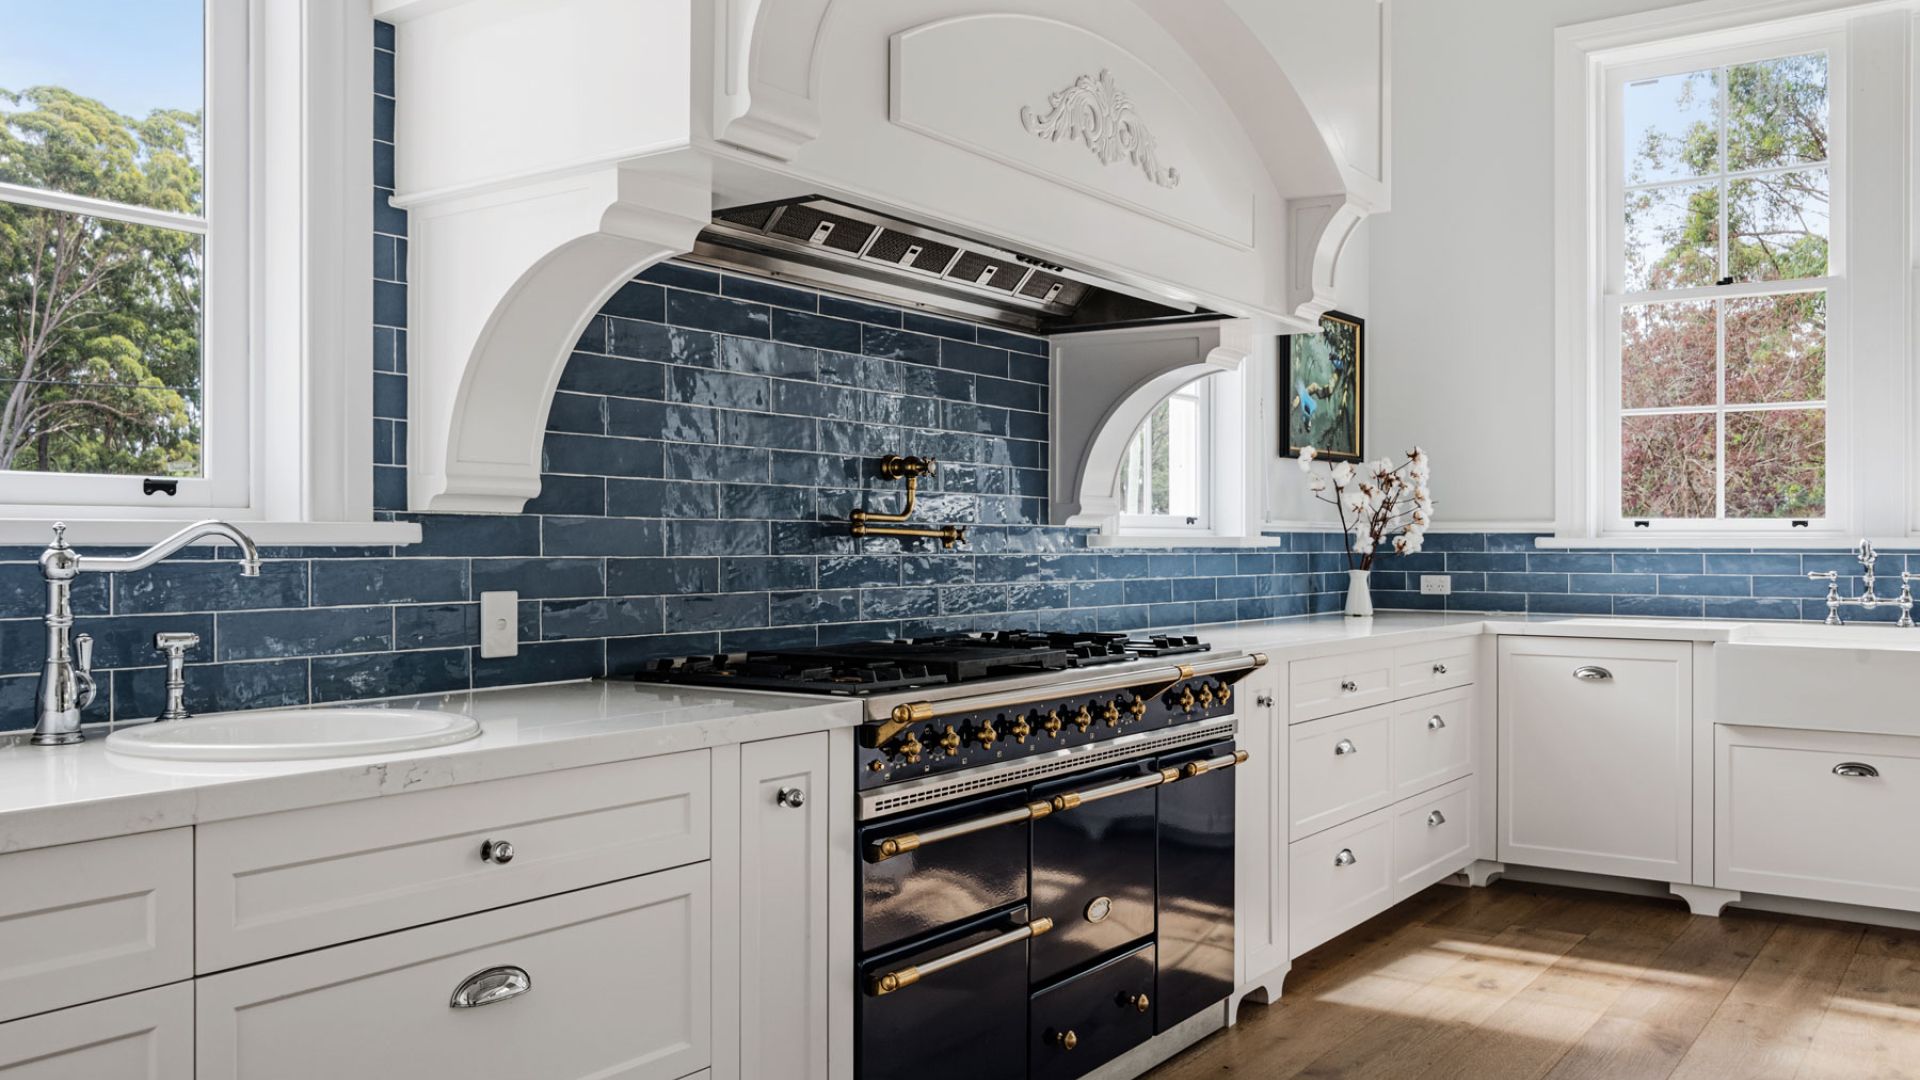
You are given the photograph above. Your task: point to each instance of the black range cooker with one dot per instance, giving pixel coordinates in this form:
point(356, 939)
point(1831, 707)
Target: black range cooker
point(1046, 842)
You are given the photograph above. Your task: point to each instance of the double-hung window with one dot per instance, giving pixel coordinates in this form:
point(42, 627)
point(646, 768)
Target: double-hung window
point(1722, 267)
point(1165, 475)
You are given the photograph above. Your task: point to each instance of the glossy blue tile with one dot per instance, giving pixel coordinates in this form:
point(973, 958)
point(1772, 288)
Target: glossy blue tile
point(600, 536)
point(1753, 565)
point(1704, 585)
point(637, 300)
point(815, 331)
point(627, 616)
point(763, 291)
point(759, 573)
point(570, 495)
point(718, 538)
point(1664, 607)
point(259, 635)
point(1637, 562)
point(977, 359)
point(731, 611)
point(813, 607)
point(859, 310)
point(899, 345)
point(1646, 584)
point(539, 577)
point(345, 678)
point(589, 373)
point(647, 577)
point(554, 661)
point(1775, 608)
point(338, 582)
point(901, 603)
point(681, 276)
point(662, 499)
point(662, 344)
point(702, 311)
point(181, 585)
point(598, 455)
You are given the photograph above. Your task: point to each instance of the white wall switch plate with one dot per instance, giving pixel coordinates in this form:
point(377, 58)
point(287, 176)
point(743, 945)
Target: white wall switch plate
point(499, 624)
point(1436, 584)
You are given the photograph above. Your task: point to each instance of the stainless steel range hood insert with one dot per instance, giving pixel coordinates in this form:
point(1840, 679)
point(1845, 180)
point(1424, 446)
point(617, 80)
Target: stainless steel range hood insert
point(825, 244)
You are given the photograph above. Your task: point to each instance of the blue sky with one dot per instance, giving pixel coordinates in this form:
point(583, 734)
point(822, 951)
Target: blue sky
point(134, 55)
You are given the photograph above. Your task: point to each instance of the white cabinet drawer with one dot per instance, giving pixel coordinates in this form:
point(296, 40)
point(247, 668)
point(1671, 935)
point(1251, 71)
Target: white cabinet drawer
point(287, 882)
point(1339, 879)
point(1432, 838)
point(86, 921)
point(1437, 665)
point(1340, 767)
point(1791, 821)
point(619, 988)
point(1432, 741)
point(1337, 684)
point(143, 1036)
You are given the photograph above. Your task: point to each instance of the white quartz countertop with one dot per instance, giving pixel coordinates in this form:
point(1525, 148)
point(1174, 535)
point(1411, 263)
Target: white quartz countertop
point(66, 794)
point(60, 795)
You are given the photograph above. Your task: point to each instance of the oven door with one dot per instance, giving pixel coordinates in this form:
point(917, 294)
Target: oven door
point(1093, 871)
point(1195, 888)
point(942, 883)
point(961, 1013)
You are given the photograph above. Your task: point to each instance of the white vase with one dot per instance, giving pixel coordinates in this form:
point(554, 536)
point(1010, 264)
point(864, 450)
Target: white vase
point(1359, 594)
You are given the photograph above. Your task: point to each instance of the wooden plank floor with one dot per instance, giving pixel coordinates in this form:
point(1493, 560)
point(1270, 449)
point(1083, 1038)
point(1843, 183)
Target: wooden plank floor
point(1522, 981)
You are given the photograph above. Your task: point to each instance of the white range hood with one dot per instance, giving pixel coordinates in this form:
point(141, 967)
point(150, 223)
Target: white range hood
point(550, 149)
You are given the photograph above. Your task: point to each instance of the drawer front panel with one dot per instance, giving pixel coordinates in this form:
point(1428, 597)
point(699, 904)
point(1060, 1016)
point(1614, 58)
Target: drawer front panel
point(1092, 1018)
point(86, 921)
point(1432, 742)
point(144, 1036)
point(1340, 878)
point(1337, 684)
point(963, 1023)
point(1340, 767)
point(1820, 815)
point(620, 988)
point(1432, 838)
point(1438, 665)
point(284, 883)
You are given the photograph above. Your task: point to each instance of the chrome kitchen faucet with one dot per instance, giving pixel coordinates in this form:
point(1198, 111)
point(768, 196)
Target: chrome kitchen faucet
point(66, 679)
point(1867, 600)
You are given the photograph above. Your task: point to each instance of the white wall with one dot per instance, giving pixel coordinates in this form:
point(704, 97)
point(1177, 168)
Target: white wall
point(1461, 358)
point(1289, 505)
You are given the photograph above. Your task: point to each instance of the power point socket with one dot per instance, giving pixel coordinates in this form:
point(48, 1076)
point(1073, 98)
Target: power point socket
point(1436, 584)
point(499, 624)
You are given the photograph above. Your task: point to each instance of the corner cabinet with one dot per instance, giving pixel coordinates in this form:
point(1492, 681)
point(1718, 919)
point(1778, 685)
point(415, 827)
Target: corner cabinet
point(1596, 756)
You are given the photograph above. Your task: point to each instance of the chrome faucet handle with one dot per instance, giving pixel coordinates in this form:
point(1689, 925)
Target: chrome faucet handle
point(1832, 578)
point(1866, 554)
point(175, 644)
point(83, 669)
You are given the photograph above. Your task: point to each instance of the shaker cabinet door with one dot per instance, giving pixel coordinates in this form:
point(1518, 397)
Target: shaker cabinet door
point(783, 908)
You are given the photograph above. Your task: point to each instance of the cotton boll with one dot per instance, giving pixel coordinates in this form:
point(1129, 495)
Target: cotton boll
point(1307, 454)
point(1318, 485)
point(1342, 473)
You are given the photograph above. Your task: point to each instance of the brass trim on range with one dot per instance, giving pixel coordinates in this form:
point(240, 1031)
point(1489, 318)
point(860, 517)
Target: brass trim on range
point(889, 981)
point(902, 843)
point(878, 734)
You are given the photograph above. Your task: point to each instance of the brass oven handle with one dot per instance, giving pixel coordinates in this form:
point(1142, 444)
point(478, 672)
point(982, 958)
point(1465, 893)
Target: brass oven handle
point(882, 850)
point(887, 982)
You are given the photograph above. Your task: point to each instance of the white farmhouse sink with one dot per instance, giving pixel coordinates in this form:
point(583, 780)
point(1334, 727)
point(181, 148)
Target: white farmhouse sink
point(294, 734)
point(1809, 675)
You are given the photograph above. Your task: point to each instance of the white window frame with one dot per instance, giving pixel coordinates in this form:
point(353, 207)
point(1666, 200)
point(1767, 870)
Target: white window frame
point(1867, 331)
point(287, 301)
point(1203, 391)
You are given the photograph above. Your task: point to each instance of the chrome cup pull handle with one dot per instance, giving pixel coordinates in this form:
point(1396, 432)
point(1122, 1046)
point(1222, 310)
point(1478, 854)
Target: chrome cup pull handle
point(1344, 747)
point(1436, 819)
point(1590, 673)
point(490, 987)
point(1436, 722)
point(1346, 857)
point(1855, 768)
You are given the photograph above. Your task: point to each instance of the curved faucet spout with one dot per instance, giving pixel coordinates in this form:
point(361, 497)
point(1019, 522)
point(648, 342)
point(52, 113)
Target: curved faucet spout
point(199, 530)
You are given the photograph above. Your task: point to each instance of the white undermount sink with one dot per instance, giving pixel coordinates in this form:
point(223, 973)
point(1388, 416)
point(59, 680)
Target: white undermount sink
point(1820, 635)
point(294, 734)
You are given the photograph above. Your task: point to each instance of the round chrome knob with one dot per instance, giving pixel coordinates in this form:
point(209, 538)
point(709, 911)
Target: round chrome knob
point(1065, 1040)
point(1265, 701)
point(1439, 669)
point(791, 797)
point(1349, 686)
point(497, 851)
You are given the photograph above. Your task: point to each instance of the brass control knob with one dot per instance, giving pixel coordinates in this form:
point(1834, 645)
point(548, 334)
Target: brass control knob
point(1138, 707)
point(1051, 723)
point(1082, 719)
point(950, 741)
point(1065, 1040)
point(1140, 1002)
point(1224, 692)
point(1110, 712)
point(910, 749)
point(1206, 696)
point(987, 735)
point(1186, 699)
point(876, 765)
point(1020, 730)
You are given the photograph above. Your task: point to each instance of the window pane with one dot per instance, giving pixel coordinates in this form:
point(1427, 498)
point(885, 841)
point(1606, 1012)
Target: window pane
point(1667, 355)
point(1672, 127)
point(99, 345)
point(1162, 472)
point(1777, 348)
point(1777, 226)
point(1666, 466)
point(1777, 112)
point(1673, 237)
point(104, 98)
point(1777, 464)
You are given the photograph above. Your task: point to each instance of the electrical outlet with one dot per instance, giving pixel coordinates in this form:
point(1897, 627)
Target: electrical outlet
point(1436, 584)
point(500, 624)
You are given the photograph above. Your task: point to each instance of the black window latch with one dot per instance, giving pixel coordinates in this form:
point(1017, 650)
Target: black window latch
point(150, 486)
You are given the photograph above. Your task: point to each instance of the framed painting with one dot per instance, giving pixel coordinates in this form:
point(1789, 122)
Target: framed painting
point(1322, 382)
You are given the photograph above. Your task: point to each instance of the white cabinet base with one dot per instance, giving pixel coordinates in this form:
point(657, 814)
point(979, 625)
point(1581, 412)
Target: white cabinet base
point(1702, 900)
point(1483, 872)
point(144, 1036)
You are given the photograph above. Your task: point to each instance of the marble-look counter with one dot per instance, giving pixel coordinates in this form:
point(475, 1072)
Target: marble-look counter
point(66, 794)
point(60, 795)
